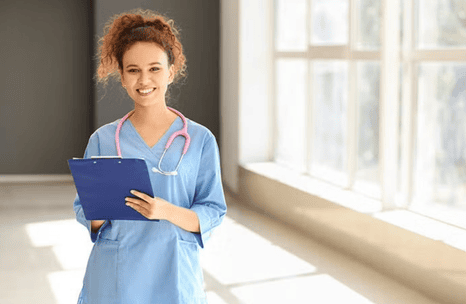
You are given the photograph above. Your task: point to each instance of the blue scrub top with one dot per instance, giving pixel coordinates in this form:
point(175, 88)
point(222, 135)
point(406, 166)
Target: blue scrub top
point(142, 262)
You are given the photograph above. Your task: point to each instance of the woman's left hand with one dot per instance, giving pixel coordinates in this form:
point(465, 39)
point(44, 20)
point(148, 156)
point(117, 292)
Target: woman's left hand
point(150, 207)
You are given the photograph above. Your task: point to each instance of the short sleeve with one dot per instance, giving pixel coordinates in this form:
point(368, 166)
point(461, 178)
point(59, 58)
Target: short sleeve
point(92, 149)
point(209, 199)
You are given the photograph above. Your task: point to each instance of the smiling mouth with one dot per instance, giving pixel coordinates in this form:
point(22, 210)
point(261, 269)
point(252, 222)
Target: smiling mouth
point(145, 92)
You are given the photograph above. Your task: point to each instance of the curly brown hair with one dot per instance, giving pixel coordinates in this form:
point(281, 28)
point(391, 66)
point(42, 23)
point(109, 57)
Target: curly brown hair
point(123, 30)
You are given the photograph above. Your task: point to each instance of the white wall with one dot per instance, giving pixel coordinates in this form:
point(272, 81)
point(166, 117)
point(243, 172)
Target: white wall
point(229, 91)
point(245, 98)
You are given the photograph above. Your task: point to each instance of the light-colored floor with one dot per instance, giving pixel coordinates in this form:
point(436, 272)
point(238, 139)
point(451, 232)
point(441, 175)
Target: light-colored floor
point(250, 259)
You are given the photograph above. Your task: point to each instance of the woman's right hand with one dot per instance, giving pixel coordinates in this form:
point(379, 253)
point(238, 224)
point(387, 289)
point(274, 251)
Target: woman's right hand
point(96, 224)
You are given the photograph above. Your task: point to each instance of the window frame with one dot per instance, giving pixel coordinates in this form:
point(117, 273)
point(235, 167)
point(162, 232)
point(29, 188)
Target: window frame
point(396, 145)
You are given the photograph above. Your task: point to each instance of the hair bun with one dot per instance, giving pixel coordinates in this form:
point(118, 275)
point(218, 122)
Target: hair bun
point(158, 25)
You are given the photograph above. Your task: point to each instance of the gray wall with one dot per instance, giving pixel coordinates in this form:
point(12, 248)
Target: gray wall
point(49, 104)
point(198, 98)
point(45, 98)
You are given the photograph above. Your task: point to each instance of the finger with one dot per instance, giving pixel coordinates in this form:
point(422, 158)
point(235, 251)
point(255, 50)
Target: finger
point(141, 195)
point(138, 202)
point(138, 208)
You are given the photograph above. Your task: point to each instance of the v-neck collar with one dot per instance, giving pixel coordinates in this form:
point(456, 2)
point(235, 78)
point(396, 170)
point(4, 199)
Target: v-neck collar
point(163, 138)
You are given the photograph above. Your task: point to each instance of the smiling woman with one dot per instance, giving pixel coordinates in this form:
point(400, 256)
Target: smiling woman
point(152, 261)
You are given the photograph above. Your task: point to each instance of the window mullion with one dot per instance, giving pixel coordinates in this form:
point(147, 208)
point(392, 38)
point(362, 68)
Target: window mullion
point(272, 81)
point(309, 94)
point(353, 24)
point(352, 125)
point(408, 98)
point(388, 98)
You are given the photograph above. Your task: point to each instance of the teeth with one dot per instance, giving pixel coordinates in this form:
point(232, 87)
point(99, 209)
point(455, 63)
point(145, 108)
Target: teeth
point(146, 91)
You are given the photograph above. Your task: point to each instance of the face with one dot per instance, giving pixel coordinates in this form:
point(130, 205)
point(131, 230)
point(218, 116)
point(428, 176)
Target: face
point(145, 68)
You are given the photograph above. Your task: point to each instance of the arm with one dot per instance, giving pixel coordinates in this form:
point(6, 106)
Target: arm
point(209, 200)
point(159, 209)
point(183, 218)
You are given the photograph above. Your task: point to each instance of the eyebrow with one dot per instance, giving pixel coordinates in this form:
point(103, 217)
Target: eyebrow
point(137, 66)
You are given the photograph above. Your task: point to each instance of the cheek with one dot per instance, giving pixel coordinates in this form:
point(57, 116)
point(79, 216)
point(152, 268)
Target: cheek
point(163, 77)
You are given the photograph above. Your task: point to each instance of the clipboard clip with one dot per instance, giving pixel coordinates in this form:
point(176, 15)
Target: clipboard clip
point(94, 157)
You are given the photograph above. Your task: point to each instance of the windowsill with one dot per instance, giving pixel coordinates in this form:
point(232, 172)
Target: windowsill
point(422, 253)
point(316, 187)
point(411, 221)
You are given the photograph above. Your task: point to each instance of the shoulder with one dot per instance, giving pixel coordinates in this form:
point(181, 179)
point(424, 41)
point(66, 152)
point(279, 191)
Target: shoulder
point(199, 131)
point(105, 131)
point(204, 142)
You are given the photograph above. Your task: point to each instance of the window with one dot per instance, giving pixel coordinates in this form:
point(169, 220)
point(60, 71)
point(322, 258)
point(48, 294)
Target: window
point(330, 59)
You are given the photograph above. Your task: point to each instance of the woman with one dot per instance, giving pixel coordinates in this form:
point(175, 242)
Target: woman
point(152, 261)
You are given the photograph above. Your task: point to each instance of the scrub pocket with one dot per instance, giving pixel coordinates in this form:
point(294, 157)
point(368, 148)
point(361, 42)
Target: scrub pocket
point(100, 281)
point(190, 273)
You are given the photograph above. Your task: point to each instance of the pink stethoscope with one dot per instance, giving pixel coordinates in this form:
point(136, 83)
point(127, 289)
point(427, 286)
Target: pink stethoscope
point(182, 132)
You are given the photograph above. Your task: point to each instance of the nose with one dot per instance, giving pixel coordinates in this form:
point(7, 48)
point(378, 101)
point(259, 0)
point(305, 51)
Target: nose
point(143, 78)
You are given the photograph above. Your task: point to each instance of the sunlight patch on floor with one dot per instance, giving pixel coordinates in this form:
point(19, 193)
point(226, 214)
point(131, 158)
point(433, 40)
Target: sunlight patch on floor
point(51, 233)
point(321, 288)
point(71, 245)
point(238, 255)
point(66, 285)
point(214, 298)
point(69, 240)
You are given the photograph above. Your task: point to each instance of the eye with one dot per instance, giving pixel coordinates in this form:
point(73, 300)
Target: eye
point(131, 71)
point(155, 68)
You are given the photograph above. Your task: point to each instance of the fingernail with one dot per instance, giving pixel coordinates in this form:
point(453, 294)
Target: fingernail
point(132, 191)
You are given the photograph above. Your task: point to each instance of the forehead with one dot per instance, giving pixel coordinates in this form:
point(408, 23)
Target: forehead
point(143, 53)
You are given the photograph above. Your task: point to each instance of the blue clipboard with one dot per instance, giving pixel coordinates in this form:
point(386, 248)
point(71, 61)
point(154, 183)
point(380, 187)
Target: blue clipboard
point(103, 183)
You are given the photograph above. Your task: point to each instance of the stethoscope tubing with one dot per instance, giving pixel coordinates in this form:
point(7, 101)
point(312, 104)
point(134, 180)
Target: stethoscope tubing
point(182, 132)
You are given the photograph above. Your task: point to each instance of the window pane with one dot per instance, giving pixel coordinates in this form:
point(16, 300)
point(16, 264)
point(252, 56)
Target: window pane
point(441, 23)
point(291, 100)
point(440, 156)
point(368, 24)
point(329, 22)
point(330, 120)
point(367, 174)
point(290, 25)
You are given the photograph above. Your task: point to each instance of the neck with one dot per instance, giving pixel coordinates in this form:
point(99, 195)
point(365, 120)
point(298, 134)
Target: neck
point(151, 116)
